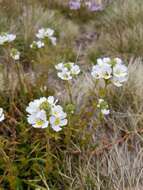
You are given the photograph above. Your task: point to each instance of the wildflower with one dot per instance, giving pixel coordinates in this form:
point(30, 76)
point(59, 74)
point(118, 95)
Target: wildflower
point(110, 69)
point(65, 75)
point(92, 6)
point(2, 117)
point(75, 70)
point(38, 120)
point(11, 37)
point(103, 106)
point(44, 33)
point(120, 70)
point(102, 69)
point(60, 66)
point(67, 70)
point(44, 112)
point(118, 81)
point(57, 123)
point(120, 74)
point(37, 44)
point(7, 38)
point(74, 4)
point(57, 111)
point(15, 54)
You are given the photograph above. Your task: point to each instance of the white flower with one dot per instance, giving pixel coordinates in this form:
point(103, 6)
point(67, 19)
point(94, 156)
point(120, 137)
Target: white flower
point(118, 60)
point(11, 37)
point(57, 123)
point(120, 70)
point(15, 54)
point(101, 71)
point(40, 44)
point(100, 101)
point(41, 33)
point(105, 60)
point(67, 70)
point(118, 81)
point(37, 44)
point(75, 70)
point(120, 74)
point(34, 106)
point(103, 106)
point(38, 120)
point(2, 117)
point(65, 75)
point(3, 39)
point(57, 111)
point(59, 66)
point(113, 69)
point(45, 32)
point(7, 38)
point(51, 100)
point(44, 112)
point(105, 111)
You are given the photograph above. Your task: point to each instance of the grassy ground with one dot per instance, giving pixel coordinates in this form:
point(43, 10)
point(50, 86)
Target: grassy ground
point(90, 153)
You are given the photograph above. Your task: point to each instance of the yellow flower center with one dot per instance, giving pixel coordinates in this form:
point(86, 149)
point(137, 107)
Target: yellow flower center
point(39, 123)
point(57, 121)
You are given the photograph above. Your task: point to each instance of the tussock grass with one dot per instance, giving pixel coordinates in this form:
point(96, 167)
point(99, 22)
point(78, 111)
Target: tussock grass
point(121, 29)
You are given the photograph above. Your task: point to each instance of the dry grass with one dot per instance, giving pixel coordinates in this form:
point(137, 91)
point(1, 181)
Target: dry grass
point(91, 153)
point(121, 30)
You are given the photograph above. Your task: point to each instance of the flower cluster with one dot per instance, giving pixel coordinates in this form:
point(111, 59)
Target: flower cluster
point(112, 70)
point(90, 5)
point(103, 106)
point(74, 4)
point(7, 38)
point(44, 112)
point(93, 6)
point(42, 35)
point(2, 117)
point(15, 54)
point(37, 44)
point(67, 70)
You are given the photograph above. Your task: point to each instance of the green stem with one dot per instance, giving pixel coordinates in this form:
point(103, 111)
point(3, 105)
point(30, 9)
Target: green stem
point(69, 91)
point(19, 72)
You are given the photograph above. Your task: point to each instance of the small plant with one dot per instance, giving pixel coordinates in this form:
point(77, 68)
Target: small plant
point(103, 106)
point(111, 71)
point(68, 71)
point(15, 54)
point(44, 35)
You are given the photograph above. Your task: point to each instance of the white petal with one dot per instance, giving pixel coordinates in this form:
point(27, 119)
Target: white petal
point(105, 111)
point(52, 119)
point(56, 128)
point(51, 100)
point(53, 40)
point(45, 125)
point(63, 122)
point(2, 117)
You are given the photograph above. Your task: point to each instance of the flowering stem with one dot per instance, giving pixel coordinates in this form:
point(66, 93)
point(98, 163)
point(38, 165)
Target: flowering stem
point(69, 91)
point(7, 68)
point(22, 86)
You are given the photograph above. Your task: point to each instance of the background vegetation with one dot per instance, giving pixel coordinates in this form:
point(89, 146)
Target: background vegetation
point(90, 153)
